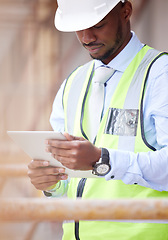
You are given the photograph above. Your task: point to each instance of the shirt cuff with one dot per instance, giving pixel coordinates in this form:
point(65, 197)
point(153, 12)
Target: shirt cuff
point(59, 190)
point(120, 162)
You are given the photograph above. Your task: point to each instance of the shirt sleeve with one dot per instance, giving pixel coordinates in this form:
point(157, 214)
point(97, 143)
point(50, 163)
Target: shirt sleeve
point(57, 114)
point(57, 123)
point(148, 169)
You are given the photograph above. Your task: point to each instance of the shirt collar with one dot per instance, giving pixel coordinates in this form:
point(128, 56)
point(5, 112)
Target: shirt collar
point(124, 58)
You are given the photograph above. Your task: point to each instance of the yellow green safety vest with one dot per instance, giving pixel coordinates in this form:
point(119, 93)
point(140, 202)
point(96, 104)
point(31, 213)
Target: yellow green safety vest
point(127, 99)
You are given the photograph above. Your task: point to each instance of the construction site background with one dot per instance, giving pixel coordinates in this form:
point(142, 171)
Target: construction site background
point(34, 60)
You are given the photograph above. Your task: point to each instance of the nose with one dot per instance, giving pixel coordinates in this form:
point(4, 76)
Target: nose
point(87, 36)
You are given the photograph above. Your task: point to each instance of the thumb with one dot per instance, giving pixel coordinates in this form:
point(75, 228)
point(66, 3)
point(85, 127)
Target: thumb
point(71, 137)
point(68, 136)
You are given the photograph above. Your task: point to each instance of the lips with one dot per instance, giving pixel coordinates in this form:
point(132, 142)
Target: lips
point(93, 48)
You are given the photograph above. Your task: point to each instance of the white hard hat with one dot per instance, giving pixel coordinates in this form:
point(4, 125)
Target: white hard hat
point(76, 15)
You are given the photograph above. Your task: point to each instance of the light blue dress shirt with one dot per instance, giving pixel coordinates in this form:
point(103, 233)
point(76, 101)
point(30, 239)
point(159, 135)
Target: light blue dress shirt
point(148, 169)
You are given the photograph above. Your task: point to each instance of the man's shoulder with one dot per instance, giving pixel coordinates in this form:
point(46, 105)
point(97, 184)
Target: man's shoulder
point(161, 60)
point(160, 65)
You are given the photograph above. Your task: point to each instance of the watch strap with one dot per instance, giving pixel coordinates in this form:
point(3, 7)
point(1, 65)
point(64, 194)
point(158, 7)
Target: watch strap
point(104, 156)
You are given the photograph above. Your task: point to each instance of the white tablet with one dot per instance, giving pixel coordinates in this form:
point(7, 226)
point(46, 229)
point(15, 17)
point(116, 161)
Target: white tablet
point(33, 144)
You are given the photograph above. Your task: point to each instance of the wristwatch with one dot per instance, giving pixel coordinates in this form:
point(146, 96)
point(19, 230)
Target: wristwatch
point(102, 167)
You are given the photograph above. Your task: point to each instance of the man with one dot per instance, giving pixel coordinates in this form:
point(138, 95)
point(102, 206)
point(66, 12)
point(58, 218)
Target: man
point(132, 137)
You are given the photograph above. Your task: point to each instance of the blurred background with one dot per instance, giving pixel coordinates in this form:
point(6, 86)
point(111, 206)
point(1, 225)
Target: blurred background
point(34, 60)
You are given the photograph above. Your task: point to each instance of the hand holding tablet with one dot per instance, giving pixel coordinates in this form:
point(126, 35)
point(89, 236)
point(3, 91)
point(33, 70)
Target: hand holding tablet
point(33, 144)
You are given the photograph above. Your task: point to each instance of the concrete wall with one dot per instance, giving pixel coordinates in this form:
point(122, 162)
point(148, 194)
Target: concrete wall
point(151, 28)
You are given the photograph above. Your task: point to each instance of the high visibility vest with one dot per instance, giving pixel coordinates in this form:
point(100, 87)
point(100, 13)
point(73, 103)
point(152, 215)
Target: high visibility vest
point(126, 100)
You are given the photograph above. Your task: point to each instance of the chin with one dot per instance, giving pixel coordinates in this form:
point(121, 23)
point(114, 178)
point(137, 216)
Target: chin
point(106, 56)
point(96, 57)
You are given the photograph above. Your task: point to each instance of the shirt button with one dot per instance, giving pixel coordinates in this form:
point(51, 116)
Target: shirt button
point(112, 176)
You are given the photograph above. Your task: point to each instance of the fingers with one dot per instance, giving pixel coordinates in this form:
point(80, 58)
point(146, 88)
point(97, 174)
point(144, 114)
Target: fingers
point(63, 143)
point(60, 147)
point(58, 144)
point(56, 152)
point(68, 162)
point(38, 163)
point(43, 176)
point(67, 157)
point(45, 182)
point(36, 168)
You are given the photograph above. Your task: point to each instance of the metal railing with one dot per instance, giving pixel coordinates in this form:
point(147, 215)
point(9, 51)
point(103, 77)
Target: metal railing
point(43, 209)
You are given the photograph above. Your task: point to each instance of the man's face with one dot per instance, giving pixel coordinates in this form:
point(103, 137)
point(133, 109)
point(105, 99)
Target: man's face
point(107, 38)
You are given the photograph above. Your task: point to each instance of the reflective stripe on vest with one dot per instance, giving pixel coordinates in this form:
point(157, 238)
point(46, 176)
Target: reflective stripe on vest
point(77, 81)
point(132, 81)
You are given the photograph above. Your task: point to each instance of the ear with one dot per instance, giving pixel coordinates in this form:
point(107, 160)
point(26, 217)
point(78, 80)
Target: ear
point(127, 10)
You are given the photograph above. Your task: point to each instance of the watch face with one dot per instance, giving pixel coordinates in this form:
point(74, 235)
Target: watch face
point(102, 169)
